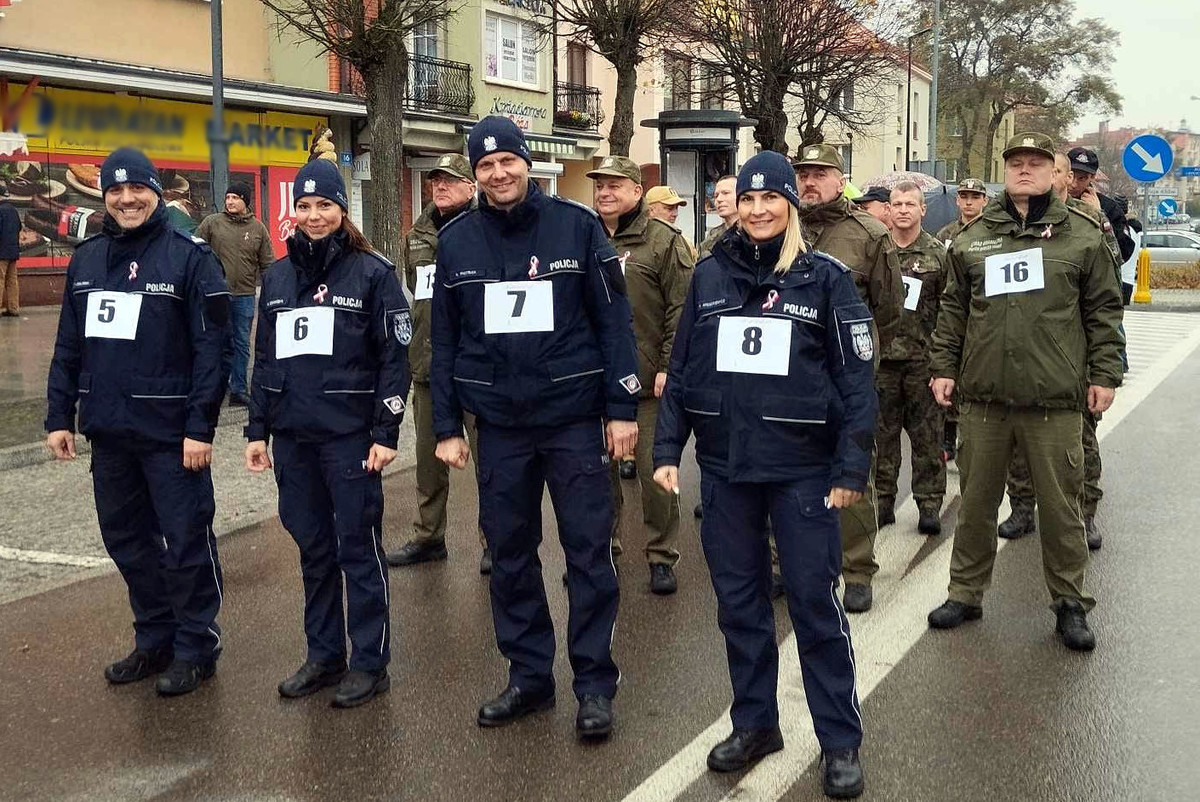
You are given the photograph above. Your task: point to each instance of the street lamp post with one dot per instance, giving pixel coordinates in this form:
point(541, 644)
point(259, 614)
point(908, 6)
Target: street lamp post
point(219, 158)
point(908, 102)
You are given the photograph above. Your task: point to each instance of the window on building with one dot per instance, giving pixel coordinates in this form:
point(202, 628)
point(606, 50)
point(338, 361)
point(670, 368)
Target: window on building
point(576, 63)
point(709, 86)
point(899, 164)
point(899, 100)
point(677, 83)
point(422, 75)
point(847, 152)
point(916, 113)
point(510, 50)
point(848, 97)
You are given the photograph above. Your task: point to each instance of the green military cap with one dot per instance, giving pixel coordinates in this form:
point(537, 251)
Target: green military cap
point(618, 167)
point(972, 185)
point(1032, 142)
point(454, 164)
point(821, 154)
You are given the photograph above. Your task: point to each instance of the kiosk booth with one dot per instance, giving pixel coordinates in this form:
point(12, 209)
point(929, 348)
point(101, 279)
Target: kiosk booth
point(696, 147)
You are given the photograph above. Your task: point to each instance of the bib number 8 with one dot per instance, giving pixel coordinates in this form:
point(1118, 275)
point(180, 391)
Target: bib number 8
point(752, 341)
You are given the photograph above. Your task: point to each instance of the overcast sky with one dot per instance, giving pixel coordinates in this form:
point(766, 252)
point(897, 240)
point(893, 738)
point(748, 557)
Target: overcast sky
point(1157, 64)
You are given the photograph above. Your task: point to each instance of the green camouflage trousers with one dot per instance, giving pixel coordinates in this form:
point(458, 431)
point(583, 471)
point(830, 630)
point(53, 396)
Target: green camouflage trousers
point(1020, 485)
point(906, 402)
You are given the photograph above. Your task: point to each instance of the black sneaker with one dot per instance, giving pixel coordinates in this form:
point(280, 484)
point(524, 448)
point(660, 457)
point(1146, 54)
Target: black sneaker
point(1022, 522)
point(359, 687)
point(699, 511)
point(1072, 626)
point(138, 666)
point(595, 718)
point(417, 551)
point(952, 614)
point(887, 513)
point(857, 597)
point(628, 469)
point(310, 678)
point(744, 747)
point(1094, 539)
point(512, 704)
point(929, 523)
point(843, 774)
point(184, 676)
point(662, 579)
point(485, 563)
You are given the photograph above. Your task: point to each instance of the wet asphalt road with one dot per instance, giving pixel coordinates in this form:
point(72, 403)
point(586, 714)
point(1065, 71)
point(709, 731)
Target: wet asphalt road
point(997, 710)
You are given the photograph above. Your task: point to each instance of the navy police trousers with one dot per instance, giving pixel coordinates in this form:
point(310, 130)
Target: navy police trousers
point(156, 522)
point(333, 508)
point(734, 534)
point(514, 466)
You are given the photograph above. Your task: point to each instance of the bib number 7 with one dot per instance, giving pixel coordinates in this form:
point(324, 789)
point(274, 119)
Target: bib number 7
point(517, 307)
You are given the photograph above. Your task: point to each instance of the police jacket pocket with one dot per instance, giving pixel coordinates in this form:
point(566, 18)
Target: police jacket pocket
point(795, 410)
point(474, 371)
point(574, 367)
point(349, 382)
point(271, 380)
point(702, 402)
point(158, 404)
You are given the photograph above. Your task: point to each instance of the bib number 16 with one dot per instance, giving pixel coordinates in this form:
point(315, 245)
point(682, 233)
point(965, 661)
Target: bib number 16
point(1009, 273)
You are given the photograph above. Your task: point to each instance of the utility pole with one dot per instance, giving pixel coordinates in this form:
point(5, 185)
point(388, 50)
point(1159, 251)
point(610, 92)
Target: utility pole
point(219, 159)
point(908, 137)
point(933, 89)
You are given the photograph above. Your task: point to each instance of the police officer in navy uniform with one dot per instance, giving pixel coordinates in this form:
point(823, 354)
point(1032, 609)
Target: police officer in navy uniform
point(330, 382)
point(773, 372)
point(533, 334)
point(139, 344)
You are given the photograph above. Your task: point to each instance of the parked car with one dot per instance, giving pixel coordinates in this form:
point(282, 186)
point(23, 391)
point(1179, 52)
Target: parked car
point(1172, 247)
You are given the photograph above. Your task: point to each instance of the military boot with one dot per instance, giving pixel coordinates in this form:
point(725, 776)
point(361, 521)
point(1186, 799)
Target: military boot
point(887, 512)
point(950, 441)
point(1094, 538)
point(930, 521)
point(1020, 523)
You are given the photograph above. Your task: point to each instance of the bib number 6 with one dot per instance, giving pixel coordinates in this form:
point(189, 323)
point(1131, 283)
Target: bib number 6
point(300, 330)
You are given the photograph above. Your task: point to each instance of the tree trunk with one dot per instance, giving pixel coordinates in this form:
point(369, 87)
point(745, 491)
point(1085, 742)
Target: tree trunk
point(968, 142)
point(771, 130)
point(989, 146)
point(621, 132)
point(385, 83)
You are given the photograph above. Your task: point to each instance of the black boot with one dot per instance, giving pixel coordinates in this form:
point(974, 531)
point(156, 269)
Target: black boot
point(138, 666)
point(595, 718)
point(1072, 626)
point(952, 614)
point(310, 678)
point(887, 512)
point(1094, 539)
point(744, 747)
point(1022, 522)
point(485, 563)
point(512, 704)
point(184, 676)
point(628, 469)
point(843, 774)
point(417, 551)
point(950, 441)
point(359, 687)
point(930, 522)
point(857, 598)
point(699, 511)
point(662, 579)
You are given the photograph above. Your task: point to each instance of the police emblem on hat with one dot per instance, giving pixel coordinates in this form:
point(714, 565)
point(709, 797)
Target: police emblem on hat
point(864, 346)
point(395, 404)
point(489, 143)
point(1027, 142)
point(1082, 158)
point(402, 324)
point(120, 175)
point(813, 153)
point(757, 181)
point(631, 384)
point(310, 185)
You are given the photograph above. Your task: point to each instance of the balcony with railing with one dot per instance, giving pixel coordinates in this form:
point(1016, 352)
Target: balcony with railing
point(434, 84)
point(577, 107)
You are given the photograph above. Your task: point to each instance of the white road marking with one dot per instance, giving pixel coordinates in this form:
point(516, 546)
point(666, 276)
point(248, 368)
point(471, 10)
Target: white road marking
point(1158, 343)
point(52, 558)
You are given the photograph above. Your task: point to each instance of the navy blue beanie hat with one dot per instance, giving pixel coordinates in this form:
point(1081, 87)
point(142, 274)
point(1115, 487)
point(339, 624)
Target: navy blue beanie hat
point(323, 179)
point(129, 166)
point(769, 170)
point(493, 134)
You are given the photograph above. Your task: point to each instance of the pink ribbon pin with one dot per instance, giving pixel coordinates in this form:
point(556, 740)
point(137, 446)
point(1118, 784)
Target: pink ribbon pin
point(319, 295)
point(1049, 232)
point(133, 268)
point(772, 297)
point(533, 266)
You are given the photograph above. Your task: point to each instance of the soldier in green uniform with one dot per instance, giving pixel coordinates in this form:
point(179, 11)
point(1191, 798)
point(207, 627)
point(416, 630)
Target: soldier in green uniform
point(453, 192)
point(1022, 521)
point(657, 262)
point(860, 242)
point(1028, 336)
point(725, 201)
point(903, 376)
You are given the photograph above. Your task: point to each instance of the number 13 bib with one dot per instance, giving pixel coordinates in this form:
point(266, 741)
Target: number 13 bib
point(761, 345)
point(1008, 273)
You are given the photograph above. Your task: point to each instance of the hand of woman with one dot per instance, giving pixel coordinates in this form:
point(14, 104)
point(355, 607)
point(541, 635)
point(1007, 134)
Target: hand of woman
point(257, 459)
point(840, 498)
point(379, 457)
point(668, 478)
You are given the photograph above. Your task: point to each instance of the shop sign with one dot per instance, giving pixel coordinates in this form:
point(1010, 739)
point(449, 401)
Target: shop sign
point(523, 114)
point(281, 210)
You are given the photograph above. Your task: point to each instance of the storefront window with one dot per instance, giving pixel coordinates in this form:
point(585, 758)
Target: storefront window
point(510, 50)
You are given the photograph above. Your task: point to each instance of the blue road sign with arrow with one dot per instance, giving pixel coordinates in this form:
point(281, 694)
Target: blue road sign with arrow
point(1147, 158)
point(1167, 207)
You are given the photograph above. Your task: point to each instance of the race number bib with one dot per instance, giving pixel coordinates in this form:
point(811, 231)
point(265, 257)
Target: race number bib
point(113, 315)
point(304, 331)
point(912, 292)
point(516, 307)
point(761, 345)
point(424, 290)
point(1007, 273)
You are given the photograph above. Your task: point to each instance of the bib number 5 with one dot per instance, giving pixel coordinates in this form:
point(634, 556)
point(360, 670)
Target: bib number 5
point(517, 307)
point(112, 315)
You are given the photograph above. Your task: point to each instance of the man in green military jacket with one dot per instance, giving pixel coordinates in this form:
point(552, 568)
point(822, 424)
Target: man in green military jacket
point(861, 243)
point(725, 202)
point(1028, 337)
point(453, 187)
point(657, 263)
point(903, 376)
point(970, 199)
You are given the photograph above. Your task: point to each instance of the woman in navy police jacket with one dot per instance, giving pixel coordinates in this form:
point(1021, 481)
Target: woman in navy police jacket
point(330, 382)
point(773, 372)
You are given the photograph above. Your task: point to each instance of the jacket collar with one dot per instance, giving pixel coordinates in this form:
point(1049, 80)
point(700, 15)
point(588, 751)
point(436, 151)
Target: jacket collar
point(520, 214)
point(837, 209)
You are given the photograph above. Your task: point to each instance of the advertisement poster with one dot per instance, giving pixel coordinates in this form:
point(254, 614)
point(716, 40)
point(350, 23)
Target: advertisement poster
point(281, 215)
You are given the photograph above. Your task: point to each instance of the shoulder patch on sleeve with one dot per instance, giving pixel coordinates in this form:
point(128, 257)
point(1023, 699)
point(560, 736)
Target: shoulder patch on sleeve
point(834, 260)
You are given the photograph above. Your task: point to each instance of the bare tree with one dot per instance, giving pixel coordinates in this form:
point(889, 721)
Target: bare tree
point(624, 32)
point(370, 35)
point(771, 50)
